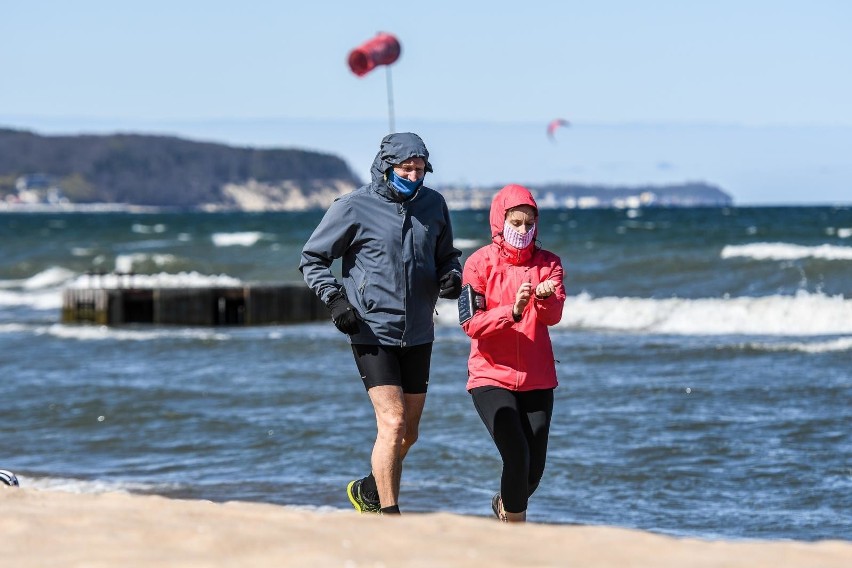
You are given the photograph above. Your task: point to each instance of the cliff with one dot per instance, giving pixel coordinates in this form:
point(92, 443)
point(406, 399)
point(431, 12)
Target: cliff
point(166, 172)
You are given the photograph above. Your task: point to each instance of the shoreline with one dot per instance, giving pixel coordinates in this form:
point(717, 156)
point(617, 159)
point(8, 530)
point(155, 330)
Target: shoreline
point(150, 209)
point(49, 527)
point(82, 208)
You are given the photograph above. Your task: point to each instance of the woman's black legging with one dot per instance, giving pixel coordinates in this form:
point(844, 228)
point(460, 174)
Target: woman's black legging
point(519, 423)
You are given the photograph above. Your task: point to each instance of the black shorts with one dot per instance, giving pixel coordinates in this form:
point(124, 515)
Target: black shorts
point(406, 367)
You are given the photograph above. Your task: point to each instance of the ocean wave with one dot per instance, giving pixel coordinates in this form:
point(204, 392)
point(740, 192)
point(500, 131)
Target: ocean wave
point(785, 251)
point(6, 284)
point(102, 332)
point(467, 243)
point(82, 251)
point(148, 229)
point(841, 232)
point(161, 280)
point(48, 278)
point(126, 262)
point(245, 239)
point(38, 300)
point(804, 314)
point(14, 327)
point(827, 346)
point(44, 290)
point(69, 485)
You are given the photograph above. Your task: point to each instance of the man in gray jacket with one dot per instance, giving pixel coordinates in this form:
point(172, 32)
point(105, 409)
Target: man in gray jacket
point(395, 241)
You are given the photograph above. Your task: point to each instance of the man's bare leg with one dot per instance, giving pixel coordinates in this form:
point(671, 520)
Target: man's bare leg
point(388, 403)
point(414, 404)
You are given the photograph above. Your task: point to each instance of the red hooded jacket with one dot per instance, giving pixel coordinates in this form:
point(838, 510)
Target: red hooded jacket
point(504, 353)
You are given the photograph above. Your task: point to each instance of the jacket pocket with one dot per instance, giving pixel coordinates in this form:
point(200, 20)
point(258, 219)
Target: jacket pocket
point(363, 290)
point(425, 243)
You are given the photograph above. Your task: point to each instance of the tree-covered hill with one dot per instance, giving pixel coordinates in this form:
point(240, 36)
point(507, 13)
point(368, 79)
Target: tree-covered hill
point(160, 170)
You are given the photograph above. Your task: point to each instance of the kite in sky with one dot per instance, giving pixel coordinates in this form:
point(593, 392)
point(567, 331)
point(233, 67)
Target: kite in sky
point(553, 125)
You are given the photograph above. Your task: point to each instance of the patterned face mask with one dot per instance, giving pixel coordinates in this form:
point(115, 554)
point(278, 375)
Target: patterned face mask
point(516, 239)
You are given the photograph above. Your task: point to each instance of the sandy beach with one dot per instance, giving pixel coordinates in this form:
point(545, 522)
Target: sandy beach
point(53, 528)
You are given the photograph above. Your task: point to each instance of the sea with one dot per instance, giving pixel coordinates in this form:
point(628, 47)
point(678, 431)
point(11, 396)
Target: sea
point(704, 361)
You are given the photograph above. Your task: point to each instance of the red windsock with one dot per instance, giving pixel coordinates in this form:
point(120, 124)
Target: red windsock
point(383, 49)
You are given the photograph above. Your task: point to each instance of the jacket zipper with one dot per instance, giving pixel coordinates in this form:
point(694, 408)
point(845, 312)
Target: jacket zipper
point(518, 341)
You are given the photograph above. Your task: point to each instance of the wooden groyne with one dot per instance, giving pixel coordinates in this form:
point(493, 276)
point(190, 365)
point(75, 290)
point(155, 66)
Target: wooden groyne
point(250, 304)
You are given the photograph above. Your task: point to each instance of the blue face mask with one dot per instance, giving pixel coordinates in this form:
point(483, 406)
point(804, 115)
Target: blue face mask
point(403, 186)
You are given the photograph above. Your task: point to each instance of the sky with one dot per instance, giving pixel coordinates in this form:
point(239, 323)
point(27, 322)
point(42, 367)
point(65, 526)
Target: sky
point(752, 95)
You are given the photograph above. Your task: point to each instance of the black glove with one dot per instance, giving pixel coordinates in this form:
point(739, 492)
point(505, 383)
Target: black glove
point(343, 315)
point(450, 285)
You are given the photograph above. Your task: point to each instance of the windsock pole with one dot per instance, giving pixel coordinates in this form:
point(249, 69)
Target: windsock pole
point(390, 99)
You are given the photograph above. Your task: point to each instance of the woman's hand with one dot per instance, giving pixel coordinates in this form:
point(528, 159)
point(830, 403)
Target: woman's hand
point(522, 298)
point(545, 289)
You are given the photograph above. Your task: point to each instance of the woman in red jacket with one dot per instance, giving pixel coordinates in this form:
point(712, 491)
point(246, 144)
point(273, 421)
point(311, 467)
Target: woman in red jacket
point(511, 369)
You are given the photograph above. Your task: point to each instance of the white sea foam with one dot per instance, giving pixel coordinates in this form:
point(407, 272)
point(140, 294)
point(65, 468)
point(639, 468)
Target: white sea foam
point(801, 315)
point(468, 243)
point(125, 262)
point(68, 485)
point(102, 332)
point(828, 346)
point(39, 299)
point(842, 232)
point(51, 277)
point(15, 327)
point(785, 251)
point(149, 244)
point(161, 280)
point(245, 239)
point(82, 251)
point(147, 229)
point(5, 284)
point(44, 290)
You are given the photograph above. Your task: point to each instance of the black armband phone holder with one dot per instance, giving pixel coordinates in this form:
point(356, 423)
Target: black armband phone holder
point(470, 302)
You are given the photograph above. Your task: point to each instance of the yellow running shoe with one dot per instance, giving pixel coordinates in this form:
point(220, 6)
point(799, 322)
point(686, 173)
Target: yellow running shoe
point(361, 504)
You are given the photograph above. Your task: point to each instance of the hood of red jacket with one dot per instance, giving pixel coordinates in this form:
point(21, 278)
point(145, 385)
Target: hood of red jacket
point(510, 196)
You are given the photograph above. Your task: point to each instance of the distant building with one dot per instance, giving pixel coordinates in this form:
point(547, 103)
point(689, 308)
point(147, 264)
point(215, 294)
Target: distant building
point(567, 196)
point(588, 202)
point(38, 188)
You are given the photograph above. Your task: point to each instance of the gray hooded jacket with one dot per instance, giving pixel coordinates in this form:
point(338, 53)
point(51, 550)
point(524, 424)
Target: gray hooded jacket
point(394, 251)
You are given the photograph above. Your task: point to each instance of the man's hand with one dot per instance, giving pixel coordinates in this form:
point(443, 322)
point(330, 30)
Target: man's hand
point(343, 314)
point(451, 285)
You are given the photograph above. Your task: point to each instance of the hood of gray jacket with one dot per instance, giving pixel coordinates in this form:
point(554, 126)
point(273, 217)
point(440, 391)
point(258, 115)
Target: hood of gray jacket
point(395, 149)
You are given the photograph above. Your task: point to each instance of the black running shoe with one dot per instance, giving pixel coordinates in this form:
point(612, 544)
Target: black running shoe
point(358, 500)
point(8, 478)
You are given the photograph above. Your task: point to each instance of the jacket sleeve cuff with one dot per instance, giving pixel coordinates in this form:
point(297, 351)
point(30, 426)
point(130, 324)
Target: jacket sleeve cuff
point(544, 300)
point(511, 315)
